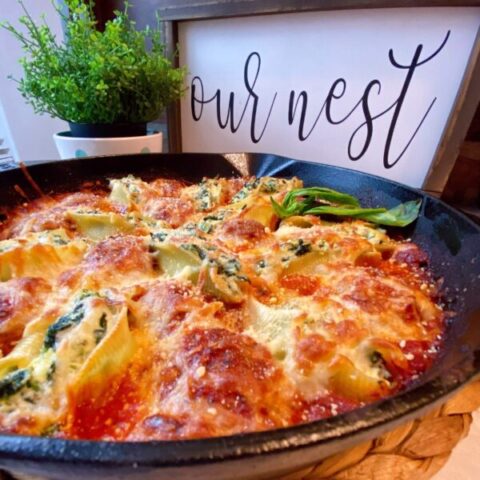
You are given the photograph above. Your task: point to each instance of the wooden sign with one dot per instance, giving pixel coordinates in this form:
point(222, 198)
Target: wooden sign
point(372, 90)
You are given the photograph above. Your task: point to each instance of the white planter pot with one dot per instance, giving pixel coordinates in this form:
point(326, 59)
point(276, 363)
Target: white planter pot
point(78, 147)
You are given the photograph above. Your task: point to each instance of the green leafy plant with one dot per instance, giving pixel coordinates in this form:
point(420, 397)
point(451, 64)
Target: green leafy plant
point(325, 201)
point(120, 75)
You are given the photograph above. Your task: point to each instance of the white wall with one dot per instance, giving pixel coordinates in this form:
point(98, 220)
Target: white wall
point(31, 134)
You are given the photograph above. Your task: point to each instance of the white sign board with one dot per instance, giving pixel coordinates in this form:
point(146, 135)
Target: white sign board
point(364, 89)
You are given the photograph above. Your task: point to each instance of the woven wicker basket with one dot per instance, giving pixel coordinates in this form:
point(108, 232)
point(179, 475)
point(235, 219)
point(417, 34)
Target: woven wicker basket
point(416, 450)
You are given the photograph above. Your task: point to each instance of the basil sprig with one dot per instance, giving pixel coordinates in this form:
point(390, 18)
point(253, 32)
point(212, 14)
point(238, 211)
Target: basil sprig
point(325, 201)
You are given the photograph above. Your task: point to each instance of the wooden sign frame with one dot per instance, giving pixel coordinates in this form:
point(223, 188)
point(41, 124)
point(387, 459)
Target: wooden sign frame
point(460, 118)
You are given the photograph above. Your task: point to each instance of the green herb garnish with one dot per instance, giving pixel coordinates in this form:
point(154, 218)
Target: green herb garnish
point(100, 332)
point(300, 248)
point(195, 249)
point(13, 382)
point(160, 236)
point(324, 201)
point(65, 321)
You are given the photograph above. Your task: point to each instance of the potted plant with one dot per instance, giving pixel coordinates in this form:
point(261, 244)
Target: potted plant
point(106, 84)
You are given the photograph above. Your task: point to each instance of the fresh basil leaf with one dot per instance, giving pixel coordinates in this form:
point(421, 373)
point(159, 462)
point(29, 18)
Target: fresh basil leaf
point(311, 197)
point(283, 212)
point(399, 216)
point(325, 201)
point(344, 211)
point(325, 194)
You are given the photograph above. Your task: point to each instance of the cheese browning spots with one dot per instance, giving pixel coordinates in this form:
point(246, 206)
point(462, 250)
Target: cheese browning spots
point(160, 310)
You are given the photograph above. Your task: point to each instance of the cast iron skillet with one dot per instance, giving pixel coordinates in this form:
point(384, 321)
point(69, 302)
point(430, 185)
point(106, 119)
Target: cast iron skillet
point(453, 245)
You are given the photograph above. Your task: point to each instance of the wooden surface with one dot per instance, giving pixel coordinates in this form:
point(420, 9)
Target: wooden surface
point(197, 9)
point(464, 463)
point(416, 450)
point(456, 130)
point(463, 187)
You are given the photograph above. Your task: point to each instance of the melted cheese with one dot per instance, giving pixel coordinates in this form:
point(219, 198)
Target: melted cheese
point(43, 254)
point(168, 311)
